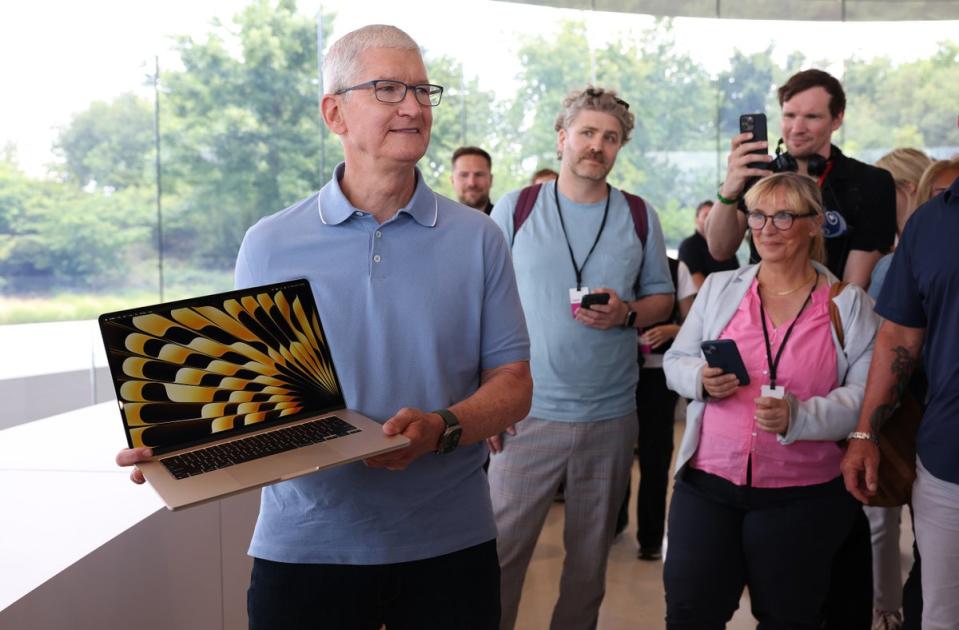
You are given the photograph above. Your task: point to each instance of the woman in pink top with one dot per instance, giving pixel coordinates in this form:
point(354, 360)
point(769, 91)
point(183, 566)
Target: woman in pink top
point(758, 499)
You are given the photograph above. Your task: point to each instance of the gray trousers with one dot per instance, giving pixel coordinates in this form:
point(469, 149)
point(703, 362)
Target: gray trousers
point(936, 505)
point(593, 460)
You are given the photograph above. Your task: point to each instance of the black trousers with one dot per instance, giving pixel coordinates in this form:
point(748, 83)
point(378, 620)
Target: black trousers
point(655, 409)
point(458, 590)
point(849, 604)
point(779, 542)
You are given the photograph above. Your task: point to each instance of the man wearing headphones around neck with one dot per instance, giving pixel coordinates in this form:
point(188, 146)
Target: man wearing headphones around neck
point(860, 199)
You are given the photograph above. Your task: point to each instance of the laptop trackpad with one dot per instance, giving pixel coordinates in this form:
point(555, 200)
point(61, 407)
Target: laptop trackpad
point(261, 474)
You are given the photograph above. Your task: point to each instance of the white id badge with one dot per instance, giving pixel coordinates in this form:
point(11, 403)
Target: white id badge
point(772, 392)
point(575, 297)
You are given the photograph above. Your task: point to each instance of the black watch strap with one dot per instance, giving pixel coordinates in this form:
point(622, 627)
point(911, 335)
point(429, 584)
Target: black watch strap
point(630, 318)
point(451, 435)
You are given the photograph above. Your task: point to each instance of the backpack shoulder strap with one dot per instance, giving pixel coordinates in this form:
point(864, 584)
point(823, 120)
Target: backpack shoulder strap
point(637, 208)
point(524, 206)
point(834, 316)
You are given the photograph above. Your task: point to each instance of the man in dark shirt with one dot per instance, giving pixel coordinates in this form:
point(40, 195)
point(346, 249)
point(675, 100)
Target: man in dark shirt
point(920, 304)
point(472, 177)
point(860, 200)
point(694, 252)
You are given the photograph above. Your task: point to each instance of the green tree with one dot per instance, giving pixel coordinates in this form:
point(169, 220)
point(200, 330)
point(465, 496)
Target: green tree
point(746, 87)
point(54, 235)
point(910, 104)
point(246, 132)
point(109, 145)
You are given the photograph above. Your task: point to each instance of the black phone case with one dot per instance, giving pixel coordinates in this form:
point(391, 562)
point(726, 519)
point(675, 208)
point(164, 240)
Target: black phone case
point(724, 354)
point(756, 124)
point(591, 299)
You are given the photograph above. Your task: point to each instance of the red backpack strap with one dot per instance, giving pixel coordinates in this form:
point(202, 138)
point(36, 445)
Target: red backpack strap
point(524, 206)
point(637, 208)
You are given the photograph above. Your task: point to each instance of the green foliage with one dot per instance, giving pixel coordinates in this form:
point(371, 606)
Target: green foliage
point(747, 87)
point(246, 135)
point(58, 236)
point(110, 145)
point(242, 138)
point(912, 104)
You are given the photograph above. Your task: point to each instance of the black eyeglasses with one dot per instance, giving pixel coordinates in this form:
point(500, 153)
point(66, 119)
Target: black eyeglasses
point(782, 220)
point(596, 93)
point(389, 91)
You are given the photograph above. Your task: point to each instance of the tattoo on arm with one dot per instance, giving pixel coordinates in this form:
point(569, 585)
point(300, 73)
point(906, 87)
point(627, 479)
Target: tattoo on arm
point(902, 367)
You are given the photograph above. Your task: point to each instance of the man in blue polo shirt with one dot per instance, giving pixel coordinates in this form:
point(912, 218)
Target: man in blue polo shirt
point(580, 237)
point(920, 303)
point(419, 302)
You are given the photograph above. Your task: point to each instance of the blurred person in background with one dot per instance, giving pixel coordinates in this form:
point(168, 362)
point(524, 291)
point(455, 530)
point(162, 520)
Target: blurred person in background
point(472, 178)
point(542, 176)
point(694, 252)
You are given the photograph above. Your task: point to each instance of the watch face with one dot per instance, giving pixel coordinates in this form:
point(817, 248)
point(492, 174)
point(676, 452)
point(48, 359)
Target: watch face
point(450, 439)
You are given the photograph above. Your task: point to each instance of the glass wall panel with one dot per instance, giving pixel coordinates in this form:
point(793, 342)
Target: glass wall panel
point(143, 190)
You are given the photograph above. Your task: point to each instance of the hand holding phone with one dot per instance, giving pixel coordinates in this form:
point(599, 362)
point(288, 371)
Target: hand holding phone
point(723, 354)
point(756, 125)
point(591, 299)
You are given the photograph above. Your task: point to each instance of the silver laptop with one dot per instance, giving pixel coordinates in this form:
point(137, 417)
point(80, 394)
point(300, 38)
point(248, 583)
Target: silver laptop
point(233, 391)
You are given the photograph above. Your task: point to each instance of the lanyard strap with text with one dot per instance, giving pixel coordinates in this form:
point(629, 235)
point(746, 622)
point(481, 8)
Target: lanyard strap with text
point(572, 258)
point(774, 364)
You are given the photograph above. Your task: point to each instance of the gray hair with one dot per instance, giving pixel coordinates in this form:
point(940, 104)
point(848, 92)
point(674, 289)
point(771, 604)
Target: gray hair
point(342, 62)
point(596, 99)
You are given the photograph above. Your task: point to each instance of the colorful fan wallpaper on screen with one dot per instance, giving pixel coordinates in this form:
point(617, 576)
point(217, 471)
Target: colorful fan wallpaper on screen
point(192, 371)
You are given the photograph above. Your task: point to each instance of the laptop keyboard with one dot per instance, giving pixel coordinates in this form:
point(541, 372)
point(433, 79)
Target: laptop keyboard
point(257, 446)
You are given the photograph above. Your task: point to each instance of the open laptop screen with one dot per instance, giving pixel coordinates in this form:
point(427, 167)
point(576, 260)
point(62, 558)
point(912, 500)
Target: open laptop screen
point(196, 370)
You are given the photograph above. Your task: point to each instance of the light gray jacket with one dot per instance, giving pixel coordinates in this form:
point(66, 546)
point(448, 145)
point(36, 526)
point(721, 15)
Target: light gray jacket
point(829, 417)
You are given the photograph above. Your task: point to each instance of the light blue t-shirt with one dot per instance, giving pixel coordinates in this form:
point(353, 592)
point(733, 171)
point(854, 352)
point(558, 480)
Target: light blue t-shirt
point(414, 310)
point(878, 276)
point(581, 373)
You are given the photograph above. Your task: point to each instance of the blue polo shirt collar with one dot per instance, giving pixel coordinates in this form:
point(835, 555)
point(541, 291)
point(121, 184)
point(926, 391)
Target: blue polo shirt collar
point(334, 208)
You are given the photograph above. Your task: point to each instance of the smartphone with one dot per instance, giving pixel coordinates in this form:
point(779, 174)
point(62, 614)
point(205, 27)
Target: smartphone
point(594, 298)
point(756, 125)
point(724, 354)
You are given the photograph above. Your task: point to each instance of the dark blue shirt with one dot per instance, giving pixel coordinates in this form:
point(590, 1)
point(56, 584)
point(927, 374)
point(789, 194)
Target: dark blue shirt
point(922, 291)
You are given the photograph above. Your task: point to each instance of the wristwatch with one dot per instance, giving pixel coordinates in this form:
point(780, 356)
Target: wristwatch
point(630, 317)
point(862, 435)
point(451, 436)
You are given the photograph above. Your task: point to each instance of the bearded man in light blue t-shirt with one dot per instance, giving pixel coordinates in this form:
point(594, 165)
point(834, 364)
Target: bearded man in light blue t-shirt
point(579, 237)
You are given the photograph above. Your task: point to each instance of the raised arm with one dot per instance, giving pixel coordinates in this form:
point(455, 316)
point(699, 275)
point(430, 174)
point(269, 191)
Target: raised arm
point(725, 224)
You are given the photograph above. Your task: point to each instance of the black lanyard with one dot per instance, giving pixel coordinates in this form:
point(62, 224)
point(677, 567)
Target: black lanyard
point(774, 364)
point(572, 258)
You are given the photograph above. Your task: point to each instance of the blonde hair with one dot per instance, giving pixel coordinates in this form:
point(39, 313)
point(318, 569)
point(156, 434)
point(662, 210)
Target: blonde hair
point(596, 99)
point(924, 189)
point(802, 195)
point(342, 62)
point(905, 165)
